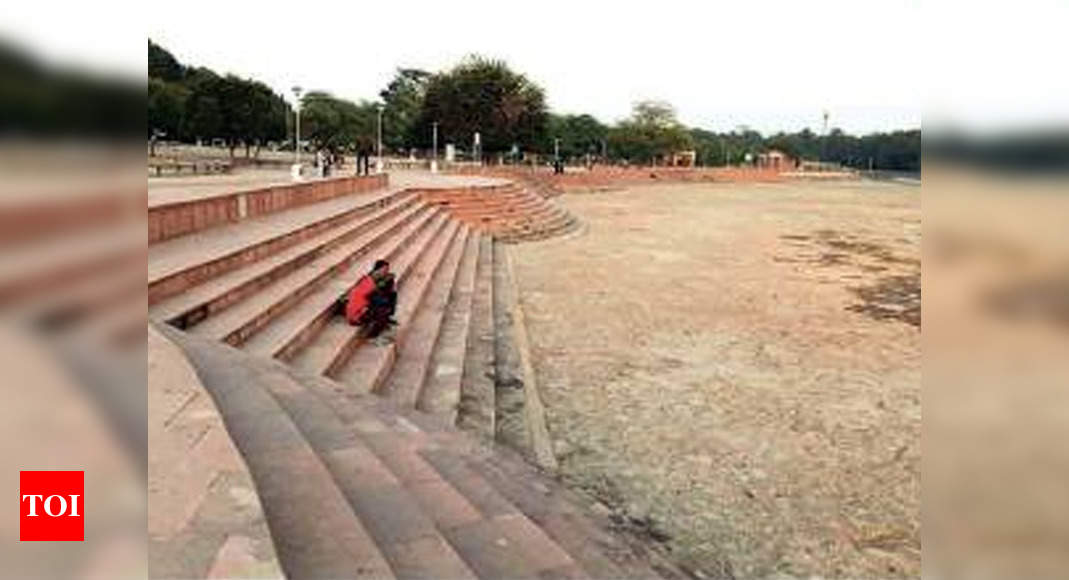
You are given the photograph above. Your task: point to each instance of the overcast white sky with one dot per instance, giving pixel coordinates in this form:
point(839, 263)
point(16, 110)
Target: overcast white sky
point(773, 65)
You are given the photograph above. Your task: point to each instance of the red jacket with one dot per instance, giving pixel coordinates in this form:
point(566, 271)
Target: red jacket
point(358, 299)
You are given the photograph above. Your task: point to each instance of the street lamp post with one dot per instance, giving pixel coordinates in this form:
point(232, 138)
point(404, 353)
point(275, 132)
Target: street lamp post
point(378, 161)
point(434, 147)
point(295, 171)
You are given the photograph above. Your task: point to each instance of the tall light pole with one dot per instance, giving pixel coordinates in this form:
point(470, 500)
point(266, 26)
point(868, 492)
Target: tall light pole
point(295, 171)
point(378, 161)
point(434, 141)
point(824, 141)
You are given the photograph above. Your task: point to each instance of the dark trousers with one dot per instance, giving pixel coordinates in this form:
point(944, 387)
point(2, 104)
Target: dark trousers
point(381, 306)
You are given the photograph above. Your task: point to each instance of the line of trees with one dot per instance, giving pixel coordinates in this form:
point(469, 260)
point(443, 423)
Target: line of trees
point(481, 95)
point(194, 103)
point(37, 98)
point(898, 151)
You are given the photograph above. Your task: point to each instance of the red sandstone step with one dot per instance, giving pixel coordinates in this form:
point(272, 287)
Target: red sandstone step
point(536, 236)
point(383, 493)
point(237, 323)
point(177, 264)
point(483, 214)
point(409, 483)
point(461, 201)
point(71, 302)
point(29, 269)
point(567, 518)
point(474, 193)
point(405, 382)
point(321, 350)
point(366, 367)
point(199, 302)
point(477, 197)
point(501, 515)
point(476, 409)
point(497, 223)
point(547, 222)
point(284, 335)
point(441, 388)
point(316, 532)
point(526, 550)
point(534, 208)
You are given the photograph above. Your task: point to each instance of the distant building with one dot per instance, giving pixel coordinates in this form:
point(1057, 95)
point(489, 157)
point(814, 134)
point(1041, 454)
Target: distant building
point(776, 159)
point(683, 159)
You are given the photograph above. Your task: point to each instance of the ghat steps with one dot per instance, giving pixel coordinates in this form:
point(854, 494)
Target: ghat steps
point(378, 458)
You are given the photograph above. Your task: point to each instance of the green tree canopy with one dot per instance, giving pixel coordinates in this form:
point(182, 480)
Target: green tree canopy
point(166, 107)
point(652, 132)
point(579, 135)
point(485, 96)
point(162, 64)
point(337, 124)
point(403, 100)
point(190, 103)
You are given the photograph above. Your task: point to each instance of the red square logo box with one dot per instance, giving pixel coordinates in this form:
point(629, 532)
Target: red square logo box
point(52, 506)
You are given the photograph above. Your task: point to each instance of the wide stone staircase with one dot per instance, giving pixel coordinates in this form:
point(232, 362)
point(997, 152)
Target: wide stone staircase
point(419, 456)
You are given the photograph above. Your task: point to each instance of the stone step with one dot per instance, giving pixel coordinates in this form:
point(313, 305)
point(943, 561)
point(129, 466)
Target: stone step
point(29, 269)
point(322, 350)
point(543, 217)
point(462, 203)
point(475, 195)
point(540, 210)
point(188, 308)
point(237, 323)
point(181, 263)
point(580, 525)
point(287, 334)
point(559, 227)
point(422, 472)
point(491, 202)
point(381, 478)
point(441, 387)
point(71, 303)
point(406, 379)
point(476, 409)
point(315, 531)
point(195, 474)
point(363, 365)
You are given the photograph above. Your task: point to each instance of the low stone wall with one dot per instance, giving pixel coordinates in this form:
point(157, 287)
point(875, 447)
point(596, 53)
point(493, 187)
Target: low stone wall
point(176, 219)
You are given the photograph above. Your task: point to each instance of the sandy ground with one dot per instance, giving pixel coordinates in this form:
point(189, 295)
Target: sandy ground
point(735, 370)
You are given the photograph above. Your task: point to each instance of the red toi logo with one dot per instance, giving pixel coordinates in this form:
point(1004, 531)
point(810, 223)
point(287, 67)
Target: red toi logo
point(51, 506)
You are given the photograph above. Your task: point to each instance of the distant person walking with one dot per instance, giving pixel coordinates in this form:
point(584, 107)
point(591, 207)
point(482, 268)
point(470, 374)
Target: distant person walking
point(363, 157)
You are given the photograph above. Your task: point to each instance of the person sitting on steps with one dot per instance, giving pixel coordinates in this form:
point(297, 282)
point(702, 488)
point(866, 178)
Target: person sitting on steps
point(372, 301)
